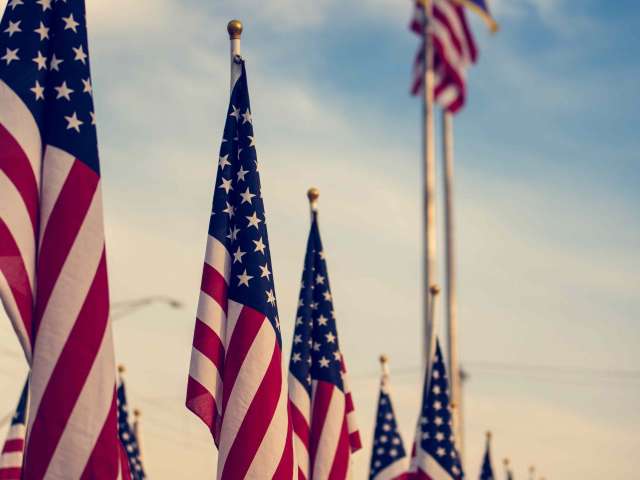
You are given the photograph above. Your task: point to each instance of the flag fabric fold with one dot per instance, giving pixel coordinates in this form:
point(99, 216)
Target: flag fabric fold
point(486, 471)
point(236, 383)
point(53, 270)
point(323, 412)
point(128, 439)
point(12, 453)
point(435, 456)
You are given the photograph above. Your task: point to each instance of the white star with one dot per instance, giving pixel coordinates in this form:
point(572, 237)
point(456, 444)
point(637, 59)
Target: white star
point(55, 63)
point(316, 346)
point(14, 3)
point(244, 278)
point(440, 452)
point(247, 196)
point(319, 280)
point(73, 122)
point(298, 321)
point(437, 405)
point(383, 439)
point(337, 356)
point(233, 233)
point(438, 421)
point(63, 91)
point(436, 390)
point(38, 91)
point(241, 173)
point(327, 296)
point(322, 255)
point(314, 306)
point(295, 358)
point(80, 55)
point(11, 55)
point(439, 436)
point(265, 271)
point(237, 256)
point(309, 376)
point(236, 113)
point(393, 452)
point(87, 88)
point(271, 298)
point(229, 210)
point(331, 338)
point(324, 362)
point(246, 117)
point(252, 141)
point(297, 339)
point(42, 31)
point(46, 4)
point(70, 23)
point(13, 28)
point(322, 320)
point(41, 61)
point(260, 246)
point(386, 427)
point(226, 185)
point(253, 220)
point(93, 118)
point(223, 162)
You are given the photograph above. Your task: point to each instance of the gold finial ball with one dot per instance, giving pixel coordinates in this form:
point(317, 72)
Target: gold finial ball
point(506, 462)
point(137, 413)
point(313, 194)
point(532, 469)
point(384, 359)
point(121, 369)
point(489, 435)
point(435, 289)
point(234, 27)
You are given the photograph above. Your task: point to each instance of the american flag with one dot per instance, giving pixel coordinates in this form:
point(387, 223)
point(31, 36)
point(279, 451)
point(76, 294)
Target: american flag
point(486, 471)
point(127, 436)
point(481, 7)
point(13, 450)
point(321, 403)
point(236, 383)
point(435, 456)
point(389, 459)
point(454, 50)
point(51, 223)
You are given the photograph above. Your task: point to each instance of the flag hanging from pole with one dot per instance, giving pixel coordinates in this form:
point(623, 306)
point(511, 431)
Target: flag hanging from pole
point(322, 406)
point(486, 471)
point(389, 459)
point(128, 438)
point(454, 51)
point(236, 383)
point(12, 452)
point(53, 270)
point(435, 455)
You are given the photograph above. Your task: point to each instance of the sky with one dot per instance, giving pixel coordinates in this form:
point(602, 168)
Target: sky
point(546, 197)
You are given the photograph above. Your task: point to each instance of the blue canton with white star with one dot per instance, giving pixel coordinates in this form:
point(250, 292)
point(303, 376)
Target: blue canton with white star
point(387, 442)
point(44, 59)
point(238, 216)
point(436, 434)
point(315, 354)
point(128, 437)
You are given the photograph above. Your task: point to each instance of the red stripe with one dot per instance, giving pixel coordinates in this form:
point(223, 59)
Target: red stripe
point(471, 43)
point(13, 268)
point(69, 376)
point(214, 285)
point(256, 421)
point(66, 219)
point(203, 404)
point(321, 401)
point(444, 21)
point(301, 475)
point(349, 407)
point(207, 342)
point(16, 166)
point(13, 445)
point(104, 461)
point(285, 468)
point(354, 441)
point(341, 458)
point(300, 425)
point(10, 473)
point(244, 334)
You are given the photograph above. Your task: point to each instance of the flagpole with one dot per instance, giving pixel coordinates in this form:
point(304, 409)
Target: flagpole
point(434, 291)
point(532, 472)
point(137, 431)
point(234, 28)
point(429, 189)
point(313, 194)
point(505, 462)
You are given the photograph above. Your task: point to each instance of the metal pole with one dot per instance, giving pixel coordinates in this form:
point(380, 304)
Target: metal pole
point(429, 188)
point(450, 274)
point(234, 28)
point(434, 291)
point(137, 431)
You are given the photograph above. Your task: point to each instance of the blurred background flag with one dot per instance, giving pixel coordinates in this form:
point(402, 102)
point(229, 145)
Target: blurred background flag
point(13, 450)
point(454, 50)
point(481, 7)
point(389, 460)
point(128, 438)
point(435, 456)
point(321, 403)
point(507, 469)
point(486, 471)
point(236, 383)
point(52, 237)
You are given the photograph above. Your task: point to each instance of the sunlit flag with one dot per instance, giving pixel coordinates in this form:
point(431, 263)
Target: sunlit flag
point(128, 437)
point(12, 452)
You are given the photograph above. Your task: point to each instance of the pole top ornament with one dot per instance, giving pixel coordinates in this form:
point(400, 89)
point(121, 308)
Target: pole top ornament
point(383, 359)
point(313, 194)
point(121, 368)
point(234, 27)
point(434, 289)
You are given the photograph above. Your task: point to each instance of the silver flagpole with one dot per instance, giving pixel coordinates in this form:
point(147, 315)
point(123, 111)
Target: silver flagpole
point(450, 274)
point(429, 189)
point(234, 27)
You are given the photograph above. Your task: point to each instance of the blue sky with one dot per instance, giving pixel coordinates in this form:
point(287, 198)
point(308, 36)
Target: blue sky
point(546, 194)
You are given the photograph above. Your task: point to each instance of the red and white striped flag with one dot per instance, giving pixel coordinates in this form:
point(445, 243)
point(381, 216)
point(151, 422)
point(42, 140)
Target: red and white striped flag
point(12, 452)
point(236, 383)
point(53, 271)
point(454, 51)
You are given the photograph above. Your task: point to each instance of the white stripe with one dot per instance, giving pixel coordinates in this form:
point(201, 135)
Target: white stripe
point(16, 432)
point(17, 119)
point(13, 313)
point(205, 372)
point(88, 416)
point(457, 29)
point(428, 465)
point(233, 313)
point(299, 397)
point(218, 257)
point(302, 455)
point(11, 460)
point(66, 300)
point(244, 390)
point(329, 436)
point(211, 313)
point(273, 444)
point(394, 470)
point(55, 170)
